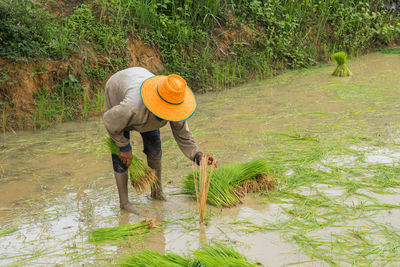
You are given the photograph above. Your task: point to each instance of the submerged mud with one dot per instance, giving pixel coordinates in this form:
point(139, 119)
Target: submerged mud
point(57, 184)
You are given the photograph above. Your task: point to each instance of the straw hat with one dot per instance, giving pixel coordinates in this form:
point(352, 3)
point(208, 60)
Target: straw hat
point(168, 97)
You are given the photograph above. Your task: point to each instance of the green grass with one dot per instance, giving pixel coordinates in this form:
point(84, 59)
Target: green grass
point(210, 256)
point(226, 179)
point(392, 50)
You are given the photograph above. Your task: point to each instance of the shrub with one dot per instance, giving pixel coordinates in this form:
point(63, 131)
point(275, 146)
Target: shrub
point(23, 29)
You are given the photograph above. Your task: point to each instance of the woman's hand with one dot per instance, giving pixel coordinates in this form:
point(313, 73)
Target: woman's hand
point(211, 159)
point(126, 157)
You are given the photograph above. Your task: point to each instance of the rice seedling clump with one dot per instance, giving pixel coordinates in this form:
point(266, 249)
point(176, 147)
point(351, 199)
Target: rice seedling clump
point(141, 175)
point(210, 256)
point(341, 70)
point(121, 232)
point(230, 183)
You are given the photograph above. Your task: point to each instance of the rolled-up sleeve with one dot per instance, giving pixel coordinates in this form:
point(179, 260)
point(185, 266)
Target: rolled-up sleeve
point(184, 138)
point(116, 120)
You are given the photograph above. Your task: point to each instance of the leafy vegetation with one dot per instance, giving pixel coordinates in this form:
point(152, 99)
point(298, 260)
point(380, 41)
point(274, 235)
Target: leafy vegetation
point(24, 29)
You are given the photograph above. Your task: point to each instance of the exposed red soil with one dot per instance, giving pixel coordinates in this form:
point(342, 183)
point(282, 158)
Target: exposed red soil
point(20, 80)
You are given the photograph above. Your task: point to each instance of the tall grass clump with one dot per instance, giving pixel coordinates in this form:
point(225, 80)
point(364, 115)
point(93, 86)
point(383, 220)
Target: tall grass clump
point(4, 117)
point(228, 184)
point(210, 256)
point(341, 70)
point(141, 175)
point(202, 185)
point(121, 232)
point(391, 50)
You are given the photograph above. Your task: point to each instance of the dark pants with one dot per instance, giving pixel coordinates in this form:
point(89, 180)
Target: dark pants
point(151, 147)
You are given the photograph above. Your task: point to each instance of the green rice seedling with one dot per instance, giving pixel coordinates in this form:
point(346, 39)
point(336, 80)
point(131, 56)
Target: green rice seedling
point(230, 183)
point(341, 70)
point(8, 231)
point(140, 174)
point(152, 258)
point(121, 232)
point(218, 255)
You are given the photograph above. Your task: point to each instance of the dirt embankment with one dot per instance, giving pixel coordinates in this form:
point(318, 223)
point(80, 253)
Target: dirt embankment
point(21, 80)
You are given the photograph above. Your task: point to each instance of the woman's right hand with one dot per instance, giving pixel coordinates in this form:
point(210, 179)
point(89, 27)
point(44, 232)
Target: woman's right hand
point(126, 157)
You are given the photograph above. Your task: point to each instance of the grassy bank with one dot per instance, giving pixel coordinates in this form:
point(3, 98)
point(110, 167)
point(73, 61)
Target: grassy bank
point(212, 44)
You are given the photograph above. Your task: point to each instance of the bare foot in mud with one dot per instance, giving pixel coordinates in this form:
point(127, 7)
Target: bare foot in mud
point(127, 207)
point(158, 195)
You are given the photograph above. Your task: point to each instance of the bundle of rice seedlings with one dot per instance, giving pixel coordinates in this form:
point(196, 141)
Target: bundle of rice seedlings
point(202, 185)
point(230, 183)
point(141, 175)
point(341, 70)
point(211, 256)
point(151, 258)
point(121, 232)
point(220, 255)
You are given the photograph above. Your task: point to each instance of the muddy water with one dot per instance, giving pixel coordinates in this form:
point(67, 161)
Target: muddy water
point(57, 184)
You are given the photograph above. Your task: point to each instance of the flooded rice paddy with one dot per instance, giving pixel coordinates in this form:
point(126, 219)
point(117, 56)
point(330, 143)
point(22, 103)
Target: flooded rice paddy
point(332, 143)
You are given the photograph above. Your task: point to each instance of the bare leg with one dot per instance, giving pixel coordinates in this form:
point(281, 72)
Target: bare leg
point(122, 184)
point(156, 191)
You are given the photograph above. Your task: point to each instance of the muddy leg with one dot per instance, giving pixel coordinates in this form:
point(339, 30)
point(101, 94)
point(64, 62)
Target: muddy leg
point(156, 191)
point(122, 183)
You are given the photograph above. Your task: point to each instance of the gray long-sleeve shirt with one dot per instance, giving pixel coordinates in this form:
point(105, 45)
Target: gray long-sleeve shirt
point(125, 111)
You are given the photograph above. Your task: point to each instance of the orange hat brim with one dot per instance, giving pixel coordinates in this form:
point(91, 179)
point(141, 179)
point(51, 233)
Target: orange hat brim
point(163, 109)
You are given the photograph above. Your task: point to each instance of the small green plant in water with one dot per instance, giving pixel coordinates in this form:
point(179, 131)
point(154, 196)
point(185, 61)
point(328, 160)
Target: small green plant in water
point(121, 232)
point(341, 70)
point(140, 174)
